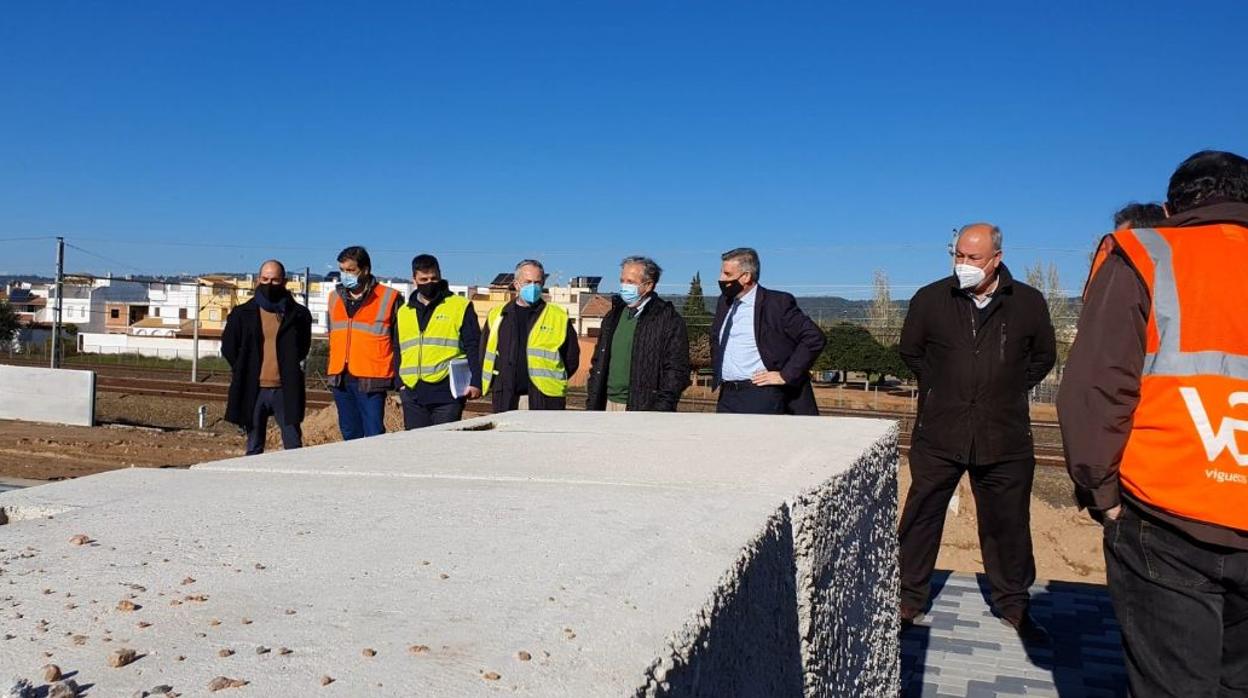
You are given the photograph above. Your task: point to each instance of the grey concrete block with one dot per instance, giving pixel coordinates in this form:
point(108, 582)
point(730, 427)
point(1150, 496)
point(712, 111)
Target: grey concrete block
point(57, 396)
point(633, 554)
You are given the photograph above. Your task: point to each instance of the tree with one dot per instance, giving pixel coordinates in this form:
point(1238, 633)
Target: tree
point(9, 323)
point(883, 317)
point(700, 352)
point(697, 317)
point(852, 348)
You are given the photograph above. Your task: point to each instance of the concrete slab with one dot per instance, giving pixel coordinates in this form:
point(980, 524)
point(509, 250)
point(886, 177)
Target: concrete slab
point(58, 396)
point(625, 554)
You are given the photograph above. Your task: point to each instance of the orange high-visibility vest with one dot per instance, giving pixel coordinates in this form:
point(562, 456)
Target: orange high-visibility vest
point(1188, 449)
point(362, 344)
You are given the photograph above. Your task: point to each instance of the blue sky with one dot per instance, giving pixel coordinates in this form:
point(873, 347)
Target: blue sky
point(837, 138)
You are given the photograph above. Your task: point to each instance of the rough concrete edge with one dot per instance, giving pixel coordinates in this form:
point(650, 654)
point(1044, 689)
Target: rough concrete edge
point(825, 551)
point(681, 646)
point(13, 513)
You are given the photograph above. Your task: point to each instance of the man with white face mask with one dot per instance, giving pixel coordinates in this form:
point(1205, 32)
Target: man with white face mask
point(978, 341)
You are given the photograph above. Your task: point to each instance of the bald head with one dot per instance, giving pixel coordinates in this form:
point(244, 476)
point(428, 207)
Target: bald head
point(979, 245)
point(979, 234)
point(272, 271)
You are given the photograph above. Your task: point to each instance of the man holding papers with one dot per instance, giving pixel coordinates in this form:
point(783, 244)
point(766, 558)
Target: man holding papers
point(437, 332)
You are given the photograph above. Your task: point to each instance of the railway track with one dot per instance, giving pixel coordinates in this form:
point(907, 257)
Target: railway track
point(210, 392)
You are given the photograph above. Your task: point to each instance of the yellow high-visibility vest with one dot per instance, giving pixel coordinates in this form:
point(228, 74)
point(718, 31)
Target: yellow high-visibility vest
point(426, 356)
point(546, 370)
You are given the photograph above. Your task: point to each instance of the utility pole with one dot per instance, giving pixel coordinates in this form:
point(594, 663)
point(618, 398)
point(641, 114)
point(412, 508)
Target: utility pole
point(60, 302)
point(307, 276)
point(195, 339)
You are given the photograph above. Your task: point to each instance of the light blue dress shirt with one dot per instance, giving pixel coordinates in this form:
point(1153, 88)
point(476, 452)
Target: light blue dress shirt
point(741, 357)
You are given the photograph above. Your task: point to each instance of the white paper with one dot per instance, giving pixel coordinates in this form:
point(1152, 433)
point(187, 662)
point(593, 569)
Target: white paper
point(461, 377)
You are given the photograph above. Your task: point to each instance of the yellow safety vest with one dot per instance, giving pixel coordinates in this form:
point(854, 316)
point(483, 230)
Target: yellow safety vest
point(426, 356)
point(546, 370)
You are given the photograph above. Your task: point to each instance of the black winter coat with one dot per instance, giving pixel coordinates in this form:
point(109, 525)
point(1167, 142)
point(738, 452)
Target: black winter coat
point(659, 370)
point(242, 345)
point(974, 373)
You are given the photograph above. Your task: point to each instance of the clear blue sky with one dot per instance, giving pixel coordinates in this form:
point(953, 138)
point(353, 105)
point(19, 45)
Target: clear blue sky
point(837, 138)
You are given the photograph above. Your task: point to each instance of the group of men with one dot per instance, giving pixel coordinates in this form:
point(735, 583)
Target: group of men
point(1151, 403)
point(432, 348)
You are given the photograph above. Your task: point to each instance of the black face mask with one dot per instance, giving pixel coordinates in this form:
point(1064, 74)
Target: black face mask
point(429, 290)
point(730, 289)
point(271, 292)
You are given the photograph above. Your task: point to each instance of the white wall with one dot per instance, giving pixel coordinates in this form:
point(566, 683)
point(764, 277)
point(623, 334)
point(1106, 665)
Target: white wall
point(163, 347)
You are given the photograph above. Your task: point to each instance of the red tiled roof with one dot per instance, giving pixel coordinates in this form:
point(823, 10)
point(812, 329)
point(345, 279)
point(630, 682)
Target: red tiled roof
point(597, 306)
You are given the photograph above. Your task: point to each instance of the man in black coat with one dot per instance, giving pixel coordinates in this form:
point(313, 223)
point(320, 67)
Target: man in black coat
point(762, 344)
point(265, 342)
point(978, 342)
point(641, 361)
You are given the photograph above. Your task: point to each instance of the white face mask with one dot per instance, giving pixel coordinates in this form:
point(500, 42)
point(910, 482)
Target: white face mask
point(969, 275)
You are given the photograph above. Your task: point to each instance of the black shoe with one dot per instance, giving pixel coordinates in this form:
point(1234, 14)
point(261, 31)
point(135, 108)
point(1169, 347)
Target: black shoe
point(910, 615)
point(1029, 631)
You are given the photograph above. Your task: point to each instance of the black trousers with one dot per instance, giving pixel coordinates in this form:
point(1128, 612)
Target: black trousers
point(1003, 506)
point(1182, 606)
point(743, 397)
point(506, 401)
point(417, 415)
point(269, 402)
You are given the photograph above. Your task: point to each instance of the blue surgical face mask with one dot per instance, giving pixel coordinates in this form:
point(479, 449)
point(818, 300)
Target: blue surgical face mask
point(531, 293)
point(348, 280)
point(629, 293)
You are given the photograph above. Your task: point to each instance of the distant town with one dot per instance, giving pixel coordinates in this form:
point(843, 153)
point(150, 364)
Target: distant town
point(173, 317)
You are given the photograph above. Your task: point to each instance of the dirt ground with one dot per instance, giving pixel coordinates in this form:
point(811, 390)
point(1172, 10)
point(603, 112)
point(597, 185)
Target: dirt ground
point(1067, 542)
point(50, 452)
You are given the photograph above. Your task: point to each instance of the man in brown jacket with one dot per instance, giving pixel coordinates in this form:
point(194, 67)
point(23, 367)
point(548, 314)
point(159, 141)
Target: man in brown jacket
point(1179, 583)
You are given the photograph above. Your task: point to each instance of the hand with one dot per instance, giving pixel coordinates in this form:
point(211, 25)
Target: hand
point(1114, 513)
point(767, 378)
point(472, 393)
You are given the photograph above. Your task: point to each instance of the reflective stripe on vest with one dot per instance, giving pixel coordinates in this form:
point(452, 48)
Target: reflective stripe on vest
point(427, 356)
point(545, 364)
point(1188, 449)
point(362, 346)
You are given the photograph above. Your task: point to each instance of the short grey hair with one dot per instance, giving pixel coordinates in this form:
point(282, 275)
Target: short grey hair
point(993, 231)
point(531, 263)
point(650, 269)
point(746, 258)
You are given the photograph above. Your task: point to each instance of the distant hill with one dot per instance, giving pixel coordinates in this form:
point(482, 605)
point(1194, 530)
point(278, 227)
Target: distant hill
point(825, 310)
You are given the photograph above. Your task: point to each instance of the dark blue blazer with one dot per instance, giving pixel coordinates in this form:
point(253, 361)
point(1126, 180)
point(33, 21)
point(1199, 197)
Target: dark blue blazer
point(788, 342)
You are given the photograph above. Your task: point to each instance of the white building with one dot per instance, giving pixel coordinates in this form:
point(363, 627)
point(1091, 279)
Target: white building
point(84, 301)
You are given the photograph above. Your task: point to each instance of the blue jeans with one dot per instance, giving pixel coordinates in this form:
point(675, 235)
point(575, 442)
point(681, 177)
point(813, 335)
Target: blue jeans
point(360, 414)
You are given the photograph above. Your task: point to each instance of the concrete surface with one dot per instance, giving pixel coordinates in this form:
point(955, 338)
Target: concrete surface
point(626, 554)
point(961, 649)
point(59, 396)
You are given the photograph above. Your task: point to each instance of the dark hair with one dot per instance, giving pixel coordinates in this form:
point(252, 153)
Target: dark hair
point(425, 262)
point(1136, 215)
point(1208, 177)
point(359, 255)
point(746, 259)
